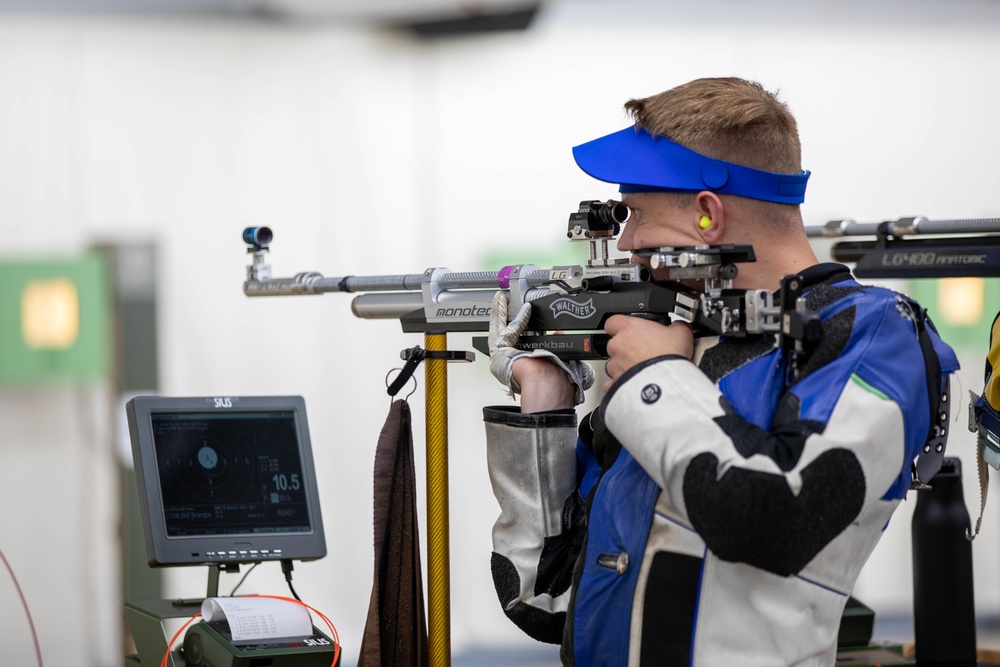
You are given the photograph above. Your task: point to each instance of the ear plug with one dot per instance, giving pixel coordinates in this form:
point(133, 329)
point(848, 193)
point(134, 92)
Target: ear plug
point(705, 222)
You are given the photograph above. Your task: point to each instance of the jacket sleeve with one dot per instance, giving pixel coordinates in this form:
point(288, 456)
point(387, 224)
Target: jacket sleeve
point(772, 486)
point(532, 464)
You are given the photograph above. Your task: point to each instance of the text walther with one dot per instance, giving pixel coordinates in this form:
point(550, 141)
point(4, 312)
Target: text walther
point(573, 309)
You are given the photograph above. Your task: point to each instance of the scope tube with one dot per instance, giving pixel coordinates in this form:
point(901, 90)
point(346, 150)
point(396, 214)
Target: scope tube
point(395, 305)
point(387, 306)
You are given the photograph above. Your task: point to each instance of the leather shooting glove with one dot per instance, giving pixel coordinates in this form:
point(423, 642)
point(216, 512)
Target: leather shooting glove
point(503, 336)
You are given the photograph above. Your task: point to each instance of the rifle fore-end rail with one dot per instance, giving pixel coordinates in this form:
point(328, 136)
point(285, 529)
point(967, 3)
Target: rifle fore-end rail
point(916, 247)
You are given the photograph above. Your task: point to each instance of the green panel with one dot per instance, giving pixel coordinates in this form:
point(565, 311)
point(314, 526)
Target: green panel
point(54, 320)
point(982, 293)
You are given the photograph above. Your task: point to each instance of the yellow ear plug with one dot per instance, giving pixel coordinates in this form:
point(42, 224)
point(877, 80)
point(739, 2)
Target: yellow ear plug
point(705, 222)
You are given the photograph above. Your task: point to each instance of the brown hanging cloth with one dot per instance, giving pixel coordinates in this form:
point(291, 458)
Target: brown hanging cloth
point(396, 629)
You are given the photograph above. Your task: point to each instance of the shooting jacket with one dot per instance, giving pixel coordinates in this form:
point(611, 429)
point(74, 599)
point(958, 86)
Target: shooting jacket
point(725, 513)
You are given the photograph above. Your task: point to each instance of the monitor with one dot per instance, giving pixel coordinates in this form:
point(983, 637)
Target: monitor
point(225, 480)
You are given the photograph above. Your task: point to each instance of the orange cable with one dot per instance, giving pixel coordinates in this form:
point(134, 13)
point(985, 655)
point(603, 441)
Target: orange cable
point(166, 656)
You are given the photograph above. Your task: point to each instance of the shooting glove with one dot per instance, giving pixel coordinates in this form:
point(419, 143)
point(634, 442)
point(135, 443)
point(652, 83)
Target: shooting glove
point(502, 338)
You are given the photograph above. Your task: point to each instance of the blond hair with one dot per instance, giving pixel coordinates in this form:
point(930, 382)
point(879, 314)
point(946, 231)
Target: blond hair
point(729, 119)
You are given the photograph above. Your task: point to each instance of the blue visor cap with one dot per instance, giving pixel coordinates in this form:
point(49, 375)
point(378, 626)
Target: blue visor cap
point(640, 162)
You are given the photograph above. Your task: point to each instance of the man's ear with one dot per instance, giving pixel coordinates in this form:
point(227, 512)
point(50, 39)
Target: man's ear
point(711, 222)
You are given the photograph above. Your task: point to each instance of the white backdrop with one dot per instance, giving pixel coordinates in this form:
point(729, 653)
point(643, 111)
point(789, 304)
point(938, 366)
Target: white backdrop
point(371, 153)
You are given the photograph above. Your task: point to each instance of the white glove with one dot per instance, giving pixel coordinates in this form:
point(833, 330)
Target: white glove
point(502, 338)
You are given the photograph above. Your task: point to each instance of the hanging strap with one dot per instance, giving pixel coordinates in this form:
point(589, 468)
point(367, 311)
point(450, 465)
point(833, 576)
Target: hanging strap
point(984, 421)
point(931, 456)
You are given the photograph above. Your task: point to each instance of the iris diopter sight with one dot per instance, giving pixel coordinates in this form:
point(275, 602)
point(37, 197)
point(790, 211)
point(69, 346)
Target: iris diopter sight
point(597, 219)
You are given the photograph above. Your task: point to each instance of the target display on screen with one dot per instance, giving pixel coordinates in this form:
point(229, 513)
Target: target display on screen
point(225, 479)
point(229, 473)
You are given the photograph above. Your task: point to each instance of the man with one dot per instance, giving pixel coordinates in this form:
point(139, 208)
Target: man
point(716, 512)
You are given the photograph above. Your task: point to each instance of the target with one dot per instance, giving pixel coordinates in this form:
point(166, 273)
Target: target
point(212, 466)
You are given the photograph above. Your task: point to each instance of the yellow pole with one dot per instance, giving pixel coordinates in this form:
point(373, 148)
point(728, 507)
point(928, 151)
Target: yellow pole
point(438, 583)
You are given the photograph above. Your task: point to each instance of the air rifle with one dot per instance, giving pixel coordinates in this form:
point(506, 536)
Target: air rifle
point(569, 303)
point(916, 247)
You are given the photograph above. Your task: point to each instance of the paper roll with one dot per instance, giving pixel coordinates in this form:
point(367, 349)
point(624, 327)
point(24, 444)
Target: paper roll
point(255, 618)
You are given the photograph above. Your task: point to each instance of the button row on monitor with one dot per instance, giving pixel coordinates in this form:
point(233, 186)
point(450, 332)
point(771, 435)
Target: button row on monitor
point(251, 553)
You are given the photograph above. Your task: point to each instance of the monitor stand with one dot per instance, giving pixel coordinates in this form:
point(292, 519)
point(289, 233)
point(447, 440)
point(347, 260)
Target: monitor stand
point(146, 617)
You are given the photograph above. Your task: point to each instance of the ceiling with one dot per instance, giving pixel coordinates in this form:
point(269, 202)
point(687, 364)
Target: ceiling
point(378, 11)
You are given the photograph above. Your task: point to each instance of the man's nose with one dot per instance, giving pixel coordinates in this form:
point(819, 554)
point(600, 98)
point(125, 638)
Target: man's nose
point(625, 238)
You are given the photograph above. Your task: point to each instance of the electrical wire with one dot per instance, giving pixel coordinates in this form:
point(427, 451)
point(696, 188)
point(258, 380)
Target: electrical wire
point(334, 635)
point(242, 579)
point(27, 612)
point(292, 589)
point(287, 567)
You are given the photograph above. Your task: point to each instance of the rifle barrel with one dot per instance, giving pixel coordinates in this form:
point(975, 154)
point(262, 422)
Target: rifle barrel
point(314, 283)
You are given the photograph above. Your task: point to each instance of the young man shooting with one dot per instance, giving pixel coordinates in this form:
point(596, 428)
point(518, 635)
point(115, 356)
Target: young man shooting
point(719, 505)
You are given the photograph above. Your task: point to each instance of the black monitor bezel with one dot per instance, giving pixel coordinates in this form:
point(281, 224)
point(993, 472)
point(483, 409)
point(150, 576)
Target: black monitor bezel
point(165, 551)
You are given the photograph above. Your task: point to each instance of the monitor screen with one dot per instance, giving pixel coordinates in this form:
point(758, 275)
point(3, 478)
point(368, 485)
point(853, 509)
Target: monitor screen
point(225, 479)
